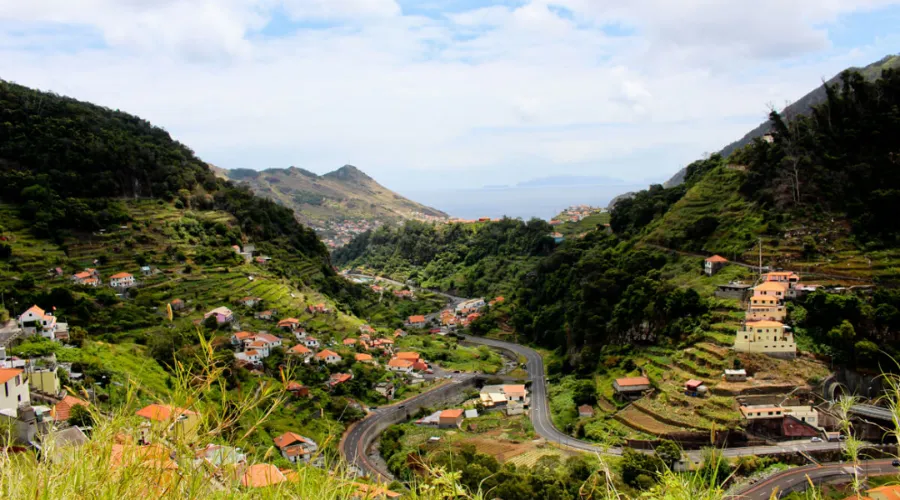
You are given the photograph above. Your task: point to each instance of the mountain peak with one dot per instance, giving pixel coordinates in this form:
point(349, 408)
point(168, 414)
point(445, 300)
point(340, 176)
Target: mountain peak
point(348, 173)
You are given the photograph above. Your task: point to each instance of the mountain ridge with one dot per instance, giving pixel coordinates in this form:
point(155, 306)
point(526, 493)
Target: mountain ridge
point(801, 106)
point(337, 204)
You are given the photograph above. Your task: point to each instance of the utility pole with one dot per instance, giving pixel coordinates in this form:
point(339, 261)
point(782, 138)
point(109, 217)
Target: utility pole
point(760, 258)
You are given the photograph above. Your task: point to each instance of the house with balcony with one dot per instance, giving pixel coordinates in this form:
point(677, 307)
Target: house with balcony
point(767, 337)
point(122, 280)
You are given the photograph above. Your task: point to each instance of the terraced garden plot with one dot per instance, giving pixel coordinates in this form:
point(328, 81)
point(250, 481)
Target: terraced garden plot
point(642, 422)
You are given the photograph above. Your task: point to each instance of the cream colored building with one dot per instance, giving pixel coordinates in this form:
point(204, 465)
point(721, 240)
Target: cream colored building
point(767, 337)
point(45, 380)
point(765, 307)
point(13, 390)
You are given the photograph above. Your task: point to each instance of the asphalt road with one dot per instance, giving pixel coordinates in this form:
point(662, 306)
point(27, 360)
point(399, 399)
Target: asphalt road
point(359, 436)
point(796, 479)
point(362, 434)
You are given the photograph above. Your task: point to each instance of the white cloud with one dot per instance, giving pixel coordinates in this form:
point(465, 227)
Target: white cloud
point(508, 92)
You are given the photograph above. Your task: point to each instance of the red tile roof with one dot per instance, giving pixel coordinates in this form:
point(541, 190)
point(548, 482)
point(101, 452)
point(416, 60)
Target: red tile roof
point(289, 438)
point(717, 258)
point(62, 410)
point(632, 381)
point(262, 475)
point(161, 413)
point(7, 374)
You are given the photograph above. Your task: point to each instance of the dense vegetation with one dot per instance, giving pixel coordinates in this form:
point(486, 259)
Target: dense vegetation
point(841, 158)
point(470, 259)
point(599, 291)
point(68, 163)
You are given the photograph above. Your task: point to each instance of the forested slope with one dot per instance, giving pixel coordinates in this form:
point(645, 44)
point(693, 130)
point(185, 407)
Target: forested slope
point(469, 259)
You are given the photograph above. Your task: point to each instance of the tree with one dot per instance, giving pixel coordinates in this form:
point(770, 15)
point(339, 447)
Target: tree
point(669, 452)
point(81, 416)
point(635, 464)
point(585, 393)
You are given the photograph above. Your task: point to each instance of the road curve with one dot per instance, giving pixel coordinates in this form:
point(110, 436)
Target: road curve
point(540, 406)
point(796, 479)
point(356, 442)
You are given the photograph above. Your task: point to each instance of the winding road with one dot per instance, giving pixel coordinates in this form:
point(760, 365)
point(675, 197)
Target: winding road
point(359, 438)
point(798, 479)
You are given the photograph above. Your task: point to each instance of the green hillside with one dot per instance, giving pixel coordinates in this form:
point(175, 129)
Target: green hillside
point(324, 202)
point(467, 258)
point(87, 187)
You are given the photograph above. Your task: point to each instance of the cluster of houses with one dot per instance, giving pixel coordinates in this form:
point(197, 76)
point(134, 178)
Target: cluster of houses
point(336, 234)
point(465, 313)
point(510, 398)
point(779, 419)
point(119, 281)
point(575, 214)
point(764, 330)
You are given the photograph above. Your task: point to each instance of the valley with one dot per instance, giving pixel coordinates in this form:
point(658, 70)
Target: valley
point(173, 330)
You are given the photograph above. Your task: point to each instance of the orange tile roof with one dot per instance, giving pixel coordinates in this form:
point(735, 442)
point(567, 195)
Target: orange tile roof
point(451, 413)
point(82, 275)
point(771, 285)
point(262, 475)
point(364, 357)
point(349, 341)
point(369, 491)
point(63, 409)
point(289, 438)
point(765, 324)
point(299, 349)
point(288, 321)
point(154, 455)
point(120, 275)
point(36, 310)
point(339, 378)
point(717, 258)
point(632, 381)
point(326, 353)
point(399, 363)
point(7, 374)
point(161, 413)
point(408, 355)
point(417, 319)
point(243, 335)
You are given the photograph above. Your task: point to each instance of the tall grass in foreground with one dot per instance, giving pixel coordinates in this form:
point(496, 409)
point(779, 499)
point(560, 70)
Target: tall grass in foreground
point(111, 466)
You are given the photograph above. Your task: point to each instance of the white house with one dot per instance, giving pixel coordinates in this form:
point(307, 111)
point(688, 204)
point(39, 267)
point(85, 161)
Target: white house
point(121, 280)
point(328, 356)
point(295, 447)
point(257, 345)
point(470, 304)
point(36, 320)
point(400, 365)
point(271, 340)
point(13, 390)
point(311, 342)
point(249, 356)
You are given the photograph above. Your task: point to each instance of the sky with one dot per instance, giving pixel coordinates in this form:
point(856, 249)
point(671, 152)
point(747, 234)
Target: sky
point(445, 93)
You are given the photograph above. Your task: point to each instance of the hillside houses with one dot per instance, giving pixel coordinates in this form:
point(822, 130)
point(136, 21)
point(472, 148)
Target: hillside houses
point(88, 277)
point(763, 330)
point(254, 347)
